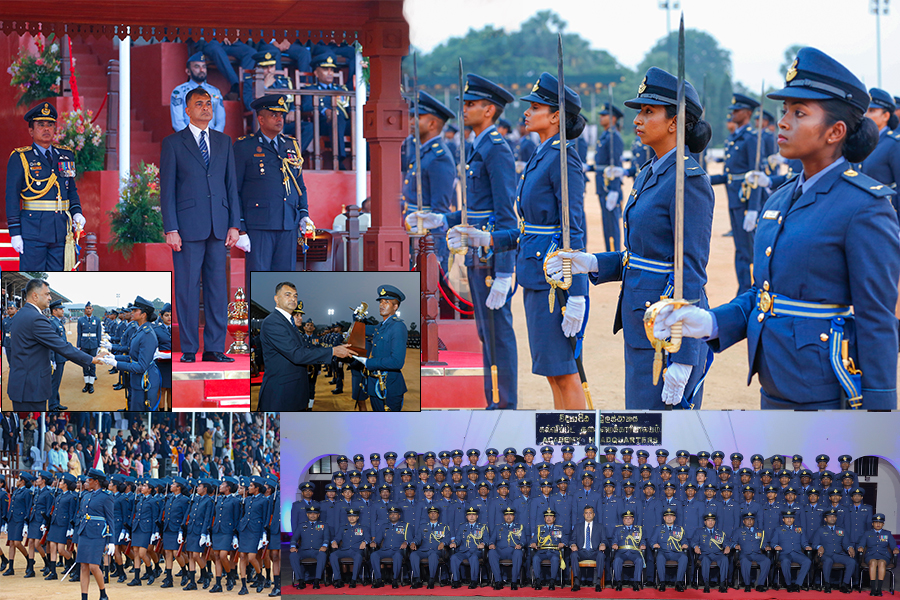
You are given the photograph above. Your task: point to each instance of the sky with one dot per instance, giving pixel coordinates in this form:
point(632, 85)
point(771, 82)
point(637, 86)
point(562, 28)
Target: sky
point(341, 292)
point(101, 288)
point(757, 33)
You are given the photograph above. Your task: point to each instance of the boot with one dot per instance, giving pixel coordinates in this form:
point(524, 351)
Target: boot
point(52, 572)
point(514, 586)
point(205, 578)
point(229, 582)
point(244, 591)
point(167, 580)
point(316, 584)
point(151, 575)
point(872, 591)
point(192, 585)
point(4, 562)
point(431, 584)
point(185, 579)
point(46, 569)
point(218, 587)
point(90, 388)
point(85, 388)
point(395, 584)
point(276, 587)
point(416, 584)
point(29, 568)
point(136, 580)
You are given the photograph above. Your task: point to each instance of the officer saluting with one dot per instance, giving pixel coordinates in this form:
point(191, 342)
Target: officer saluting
point(59, 361)
point(384, 378)
point(41, 198)
point(270, 185)
point(33, 339)
point(90, 332)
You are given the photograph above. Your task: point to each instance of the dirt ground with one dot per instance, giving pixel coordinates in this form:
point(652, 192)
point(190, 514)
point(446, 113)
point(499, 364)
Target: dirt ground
point(70, 394)
point(604, 359)
point(326, 401)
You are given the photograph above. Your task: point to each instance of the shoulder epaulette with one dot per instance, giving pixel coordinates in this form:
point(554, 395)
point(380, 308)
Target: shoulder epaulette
point(691, 167)
point(22, 149)
point(288, 137)
point(61, 147)
point(496, 138)
point(243, 137)
point(864, 182)
point(894, 135)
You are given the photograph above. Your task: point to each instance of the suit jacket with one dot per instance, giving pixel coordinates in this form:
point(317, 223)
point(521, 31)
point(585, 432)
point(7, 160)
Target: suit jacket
point(32, 341)
point(597, 535)
point(285, 383)
point(196, 200)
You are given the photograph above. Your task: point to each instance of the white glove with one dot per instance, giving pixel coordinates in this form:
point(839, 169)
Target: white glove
point(3, 528)
point(582, 262)
point(262, 542)
point(696, 322)
point(499, 291)
point(234, 542)
point(43, 528)
point(750, 220)
point(574, 316)
point(105, 344)
point(777, 159)
point(180, 537)
point(25, 532)
point(109, 359)
point(17, 244)
point(53, 365)
point(243, 242)
point(79, 220)
point(430, 220)
point(361, 359)
point(304, 222)
point(121, 536)
point(127, 537)
point(612, 198)
point(613, 172)
point(154, 537)
point(164, 355)
point(676, 377)
point(758, 178)
point(70, 533)
point(477, 237)
point(110, 549)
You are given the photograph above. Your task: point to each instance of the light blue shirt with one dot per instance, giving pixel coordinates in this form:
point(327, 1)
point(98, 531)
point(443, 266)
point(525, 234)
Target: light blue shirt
point(176, 105)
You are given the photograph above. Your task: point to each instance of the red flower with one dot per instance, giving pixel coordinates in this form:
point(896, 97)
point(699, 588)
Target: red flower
point(39, 62)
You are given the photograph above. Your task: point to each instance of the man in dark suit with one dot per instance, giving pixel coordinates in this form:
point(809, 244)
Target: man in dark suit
point(588, 543)
point(33, 339)
point(10, 424)
point(285, 383)
point(201, 213)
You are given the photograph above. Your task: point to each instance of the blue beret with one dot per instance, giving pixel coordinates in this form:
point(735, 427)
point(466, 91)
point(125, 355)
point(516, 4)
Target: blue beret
point(197, 57)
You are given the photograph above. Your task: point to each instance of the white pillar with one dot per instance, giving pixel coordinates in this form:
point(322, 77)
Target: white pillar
point(124, 109)
point(360, 142)
point(231, 437)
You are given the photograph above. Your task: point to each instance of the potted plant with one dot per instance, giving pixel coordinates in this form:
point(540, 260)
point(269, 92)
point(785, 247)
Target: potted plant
point(137, 219)
point(75, 130)
point(37, 76)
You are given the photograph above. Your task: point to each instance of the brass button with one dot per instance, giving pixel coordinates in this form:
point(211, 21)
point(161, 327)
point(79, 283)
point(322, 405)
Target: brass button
point(760, 317)
point(780, 219)
point(766, 286)
point(647, 304)
point(537, 253)
point(769, 251)
point(625, 224)
point(406, 182)
point(824, 337)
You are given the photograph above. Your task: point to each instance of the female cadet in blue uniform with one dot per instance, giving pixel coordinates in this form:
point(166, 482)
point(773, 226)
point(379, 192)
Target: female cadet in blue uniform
point(175, 509)
point(883, 165)
point(196, 531)
point(383, 369)
point(876, 547)
point(272, 558)
point(224, 531)
point(539, 234)
point(94, 532)
point(145, 377)
point(609, 172)
point(825, 243)
point(490, 193)
point(143, 531)
point(251, 529)
point(37, 518)
point(163, 329)
point(646, 266)
point(61, 523)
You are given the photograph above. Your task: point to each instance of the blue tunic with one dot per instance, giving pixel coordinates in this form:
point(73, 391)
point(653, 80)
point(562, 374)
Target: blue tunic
point(175, 509)
point(143, 523)
point(649, 233)
point(253, 522)
point(145, 378)
point(225, 521)
point(837, 245)
point(197, 523)
point(438, 173)
point(609, 153)
point(93, 528)
point(386, 363)
point(63, 517)
point(883, 165)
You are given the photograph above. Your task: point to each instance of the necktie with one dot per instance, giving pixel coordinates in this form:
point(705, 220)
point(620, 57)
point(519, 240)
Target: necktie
point(587, 536)
point(274, 144)
point(798, 191)
point(832, 528)
point(204, 149)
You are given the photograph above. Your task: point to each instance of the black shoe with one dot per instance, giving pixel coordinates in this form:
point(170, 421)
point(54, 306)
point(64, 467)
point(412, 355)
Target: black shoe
point(352, 584)
point(167, 582)
point(51, 576)
point(662, 586)
point(90, 391)
point(76, 575)
point(29, 569)
point(723, 588)
point(135, 581)
point(185, 579)
point(598, 588)
point(151, 579)
point(804, 587)
point(513, 586)
point(395, 584)
point(229, 583)
point(575, 587)
point(84, 389)
point(845, 589)
point(679, 587)
point(206, 581)
point(416, 584)
point(706, 589)
point(431, 584)
point(636, 586)
point(760, 588)
point(118, 386)
point(537, 584)
point(216, 357)
point(455, 585)
point(113, 371)
point(340, 391)
point(187, 357)
point(747, 588)
point(316, 585)
point(190, 586)
point(826, 589)
point(218, 588)
point(276, 591)
point(337, 584)
point(619, 587)
point(377, 584)
point(244, 591)
point(552, 585)
point(473, 585)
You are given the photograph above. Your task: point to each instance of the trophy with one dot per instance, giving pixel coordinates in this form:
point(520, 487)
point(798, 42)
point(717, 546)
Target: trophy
point(357, 336)
point(238, 323)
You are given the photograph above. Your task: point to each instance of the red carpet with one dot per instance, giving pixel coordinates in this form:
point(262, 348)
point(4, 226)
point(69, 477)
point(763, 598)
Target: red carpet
point(647, 593)
point(211, 385)
point(458, 384)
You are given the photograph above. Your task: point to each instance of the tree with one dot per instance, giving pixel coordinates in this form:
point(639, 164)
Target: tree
point(789, 55)
point(704, 58)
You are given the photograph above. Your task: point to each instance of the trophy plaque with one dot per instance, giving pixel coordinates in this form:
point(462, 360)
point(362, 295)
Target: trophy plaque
point(357, 335)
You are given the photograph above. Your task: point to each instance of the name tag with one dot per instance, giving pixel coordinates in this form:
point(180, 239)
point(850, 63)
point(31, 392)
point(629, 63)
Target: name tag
point(771, 214)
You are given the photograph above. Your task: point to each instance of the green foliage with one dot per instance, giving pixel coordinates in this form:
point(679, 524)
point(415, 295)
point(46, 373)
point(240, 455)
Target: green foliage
point(36, 75)
point(137, 218)
point(74, 129)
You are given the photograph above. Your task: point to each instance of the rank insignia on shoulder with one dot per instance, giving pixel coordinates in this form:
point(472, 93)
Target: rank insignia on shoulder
point(243, 137)
point(850, 173)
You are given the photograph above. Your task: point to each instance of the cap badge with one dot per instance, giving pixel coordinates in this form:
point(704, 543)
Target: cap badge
point(46, 110)
point(792, 71)
point(643, 86)
point(537, 84)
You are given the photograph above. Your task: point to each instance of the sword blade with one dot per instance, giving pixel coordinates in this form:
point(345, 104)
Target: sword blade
point(678, 292)
point(762, 96)
point(563, 158)
point(416, 140)
point(462, 149)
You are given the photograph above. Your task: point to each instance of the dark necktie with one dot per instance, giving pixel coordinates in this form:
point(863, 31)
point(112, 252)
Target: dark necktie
point(798, 191)
point(204, 149)
point(274, 143)
point(588, 537)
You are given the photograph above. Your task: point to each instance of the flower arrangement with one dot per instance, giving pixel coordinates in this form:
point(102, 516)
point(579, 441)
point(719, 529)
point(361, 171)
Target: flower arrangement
point(137, 218)
point(75, 130)
point(37, 76)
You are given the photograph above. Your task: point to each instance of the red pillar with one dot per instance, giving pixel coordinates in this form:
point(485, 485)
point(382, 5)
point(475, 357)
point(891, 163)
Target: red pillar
point(385, 42)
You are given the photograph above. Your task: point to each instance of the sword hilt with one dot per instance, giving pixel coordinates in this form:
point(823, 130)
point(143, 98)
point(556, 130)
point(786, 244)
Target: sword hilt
point(673, 344)
point(420, 226)
point(567, 273)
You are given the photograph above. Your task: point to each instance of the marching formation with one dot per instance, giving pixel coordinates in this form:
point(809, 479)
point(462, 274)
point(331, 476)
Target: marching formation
point(519, 521)
point(106, 527)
